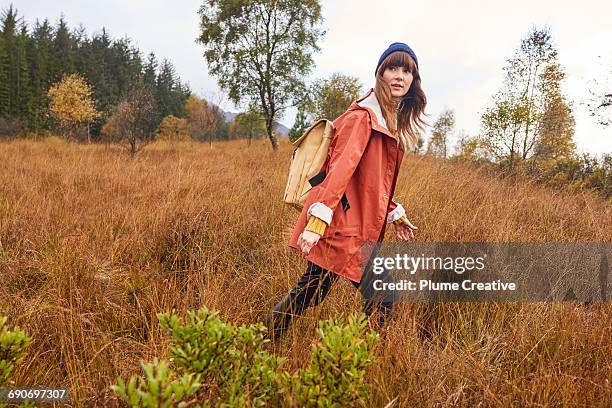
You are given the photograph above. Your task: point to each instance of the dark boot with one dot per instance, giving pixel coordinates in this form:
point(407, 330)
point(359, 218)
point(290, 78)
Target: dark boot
point(384, 313)
point(313, 287)
point(279, 320)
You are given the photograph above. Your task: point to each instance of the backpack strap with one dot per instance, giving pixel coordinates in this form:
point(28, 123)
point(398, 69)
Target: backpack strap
point(318, 179)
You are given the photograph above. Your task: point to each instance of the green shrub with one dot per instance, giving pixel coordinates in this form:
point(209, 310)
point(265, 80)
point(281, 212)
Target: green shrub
point(12, 352)
point(231, 361)
point(12, 349)
point(159, 388)
point(335, 376)
point(230, 355)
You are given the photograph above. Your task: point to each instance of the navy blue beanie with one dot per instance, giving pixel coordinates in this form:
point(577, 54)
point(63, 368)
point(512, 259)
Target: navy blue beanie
point(397, 46)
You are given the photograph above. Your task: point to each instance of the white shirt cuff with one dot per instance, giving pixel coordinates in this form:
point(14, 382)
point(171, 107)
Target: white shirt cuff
point(321, 211)
point(395, 214)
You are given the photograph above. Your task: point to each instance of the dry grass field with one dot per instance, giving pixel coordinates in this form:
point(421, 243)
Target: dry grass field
point(93, 245)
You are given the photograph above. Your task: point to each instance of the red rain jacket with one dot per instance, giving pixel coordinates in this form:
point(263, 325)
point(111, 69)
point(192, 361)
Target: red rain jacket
point(363, 163)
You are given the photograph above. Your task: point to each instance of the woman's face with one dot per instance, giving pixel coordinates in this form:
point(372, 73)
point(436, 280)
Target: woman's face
point(399, 80)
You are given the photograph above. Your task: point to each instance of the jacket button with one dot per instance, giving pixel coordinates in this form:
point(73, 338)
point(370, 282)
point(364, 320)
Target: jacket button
point(379, 218)
point(385, 195)
point(388, 171)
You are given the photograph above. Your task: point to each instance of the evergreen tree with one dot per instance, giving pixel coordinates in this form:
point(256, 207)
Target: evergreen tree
point(165, 85)
point(126, 65)
point(4, 79)
point(81, 43)
point(171, 94)
point(63, 51)
point(150, 72)
point(10, 107)
point(39, 69)
point(300, 125)
point(24, 101)
point(149, 80)
point(99, 72)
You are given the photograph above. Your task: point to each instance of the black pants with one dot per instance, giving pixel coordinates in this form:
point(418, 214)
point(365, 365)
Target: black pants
point(312, 288)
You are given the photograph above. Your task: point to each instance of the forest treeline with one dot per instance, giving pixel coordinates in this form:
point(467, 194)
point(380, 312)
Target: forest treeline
point(34, 59)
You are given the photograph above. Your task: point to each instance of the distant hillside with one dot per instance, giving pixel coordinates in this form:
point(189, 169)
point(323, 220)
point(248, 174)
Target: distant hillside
point(229, 116)
point(280, 128)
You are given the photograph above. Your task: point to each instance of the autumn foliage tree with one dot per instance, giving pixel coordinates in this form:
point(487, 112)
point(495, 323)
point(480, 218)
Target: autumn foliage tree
point(197, 116)
point(132, 125)
point(330, 97)
point(249, 125)
point(326, 98)
point(173, 129)
point(556, 133)
point(442, 130)
point(530, 106)
point(204, 119)
point(71, 104)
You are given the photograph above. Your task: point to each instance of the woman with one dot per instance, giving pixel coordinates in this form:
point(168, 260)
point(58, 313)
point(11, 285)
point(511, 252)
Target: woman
point(360, 174)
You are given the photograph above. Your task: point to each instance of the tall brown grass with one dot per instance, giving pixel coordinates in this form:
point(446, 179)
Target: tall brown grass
point(94, 244)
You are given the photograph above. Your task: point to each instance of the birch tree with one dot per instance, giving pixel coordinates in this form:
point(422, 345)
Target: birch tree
point(260, 50)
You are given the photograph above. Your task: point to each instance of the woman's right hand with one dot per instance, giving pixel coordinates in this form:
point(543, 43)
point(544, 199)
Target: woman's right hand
point(307, 240)
point(405, 230)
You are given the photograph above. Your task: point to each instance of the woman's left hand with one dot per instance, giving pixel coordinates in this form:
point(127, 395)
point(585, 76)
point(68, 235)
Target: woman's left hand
point(405, 230)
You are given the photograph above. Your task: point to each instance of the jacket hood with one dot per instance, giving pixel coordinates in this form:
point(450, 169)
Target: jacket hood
point(370, 103)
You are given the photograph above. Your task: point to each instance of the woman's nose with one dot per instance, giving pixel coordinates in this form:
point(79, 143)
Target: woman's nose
point(405, 76)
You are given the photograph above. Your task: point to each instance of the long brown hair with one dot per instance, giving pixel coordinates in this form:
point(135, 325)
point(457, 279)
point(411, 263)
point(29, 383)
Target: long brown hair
point(403, 120)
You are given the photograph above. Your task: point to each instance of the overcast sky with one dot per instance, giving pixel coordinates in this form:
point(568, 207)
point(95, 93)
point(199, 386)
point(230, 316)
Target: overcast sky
point(461, 45)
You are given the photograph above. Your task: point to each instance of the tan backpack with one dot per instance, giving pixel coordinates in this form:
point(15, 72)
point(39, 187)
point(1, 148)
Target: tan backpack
point(307, 161)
